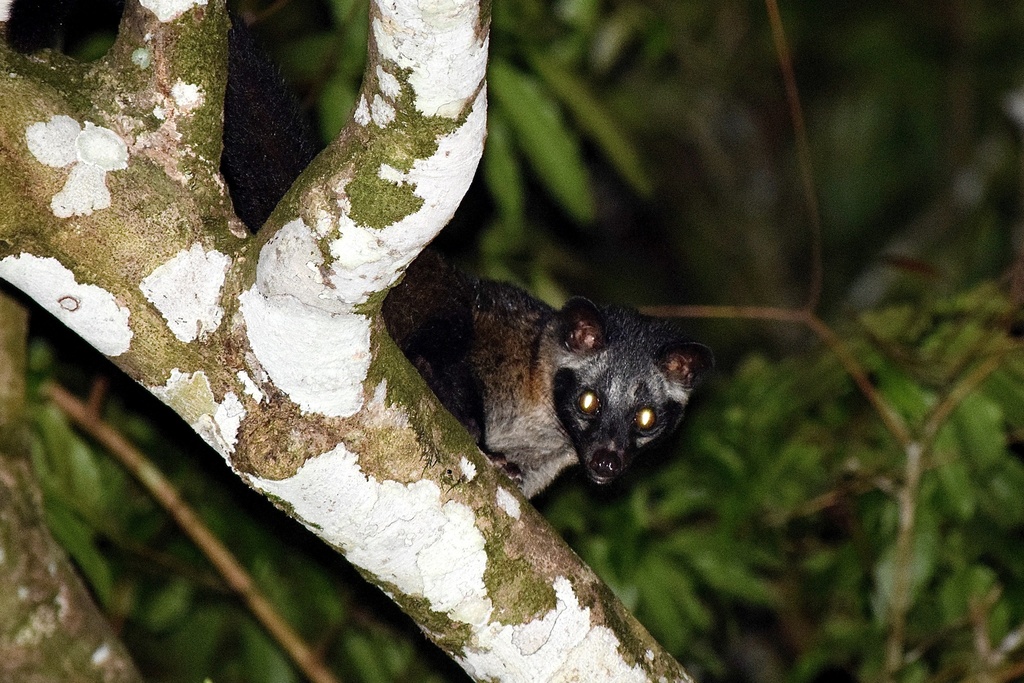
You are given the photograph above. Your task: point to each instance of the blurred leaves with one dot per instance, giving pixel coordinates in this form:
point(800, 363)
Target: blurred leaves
point(771, 527)
point(180, 621)
point(593, 120)
point(776, 521)
point(543, 136)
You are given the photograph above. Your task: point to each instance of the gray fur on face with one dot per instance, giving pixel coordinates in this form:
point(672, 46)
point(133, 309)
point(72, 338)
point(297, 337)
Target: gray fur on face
point(513, 371)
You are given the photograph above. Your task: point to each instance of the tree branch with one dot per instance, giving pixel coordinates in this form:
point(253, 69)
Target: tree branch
point(272, 347)
point(168, 497)
point(50, 629)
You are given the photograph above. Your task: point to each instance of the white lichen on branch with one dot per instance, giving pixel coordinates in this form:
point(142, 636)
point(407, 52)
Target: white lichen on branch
point(169, 10)
point(94, 151)
point(440, 43)
point(561, 645)
point(437, 552)
point(90, 311)
point(191, 397)
point(281, 330)
point(186, 290)
point(301, 315)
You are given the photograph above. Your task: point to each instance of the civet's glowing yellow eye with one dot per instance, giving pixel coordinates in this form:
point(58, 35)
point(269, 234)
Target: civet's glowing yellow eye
point(589, 403)
point(645, 418)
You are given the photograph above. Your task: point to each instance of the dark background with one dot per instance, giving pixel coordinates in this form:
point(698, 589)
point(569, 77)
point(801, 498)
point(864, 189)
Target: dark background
point(643, 153)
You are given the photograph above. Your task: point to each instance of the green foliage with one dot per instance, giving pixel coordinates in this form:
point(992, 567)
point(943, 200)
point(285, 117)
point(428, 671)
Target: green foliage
point(777, 522)
point(546, 141)
point(769, 544)
point(545, 112)
point(179, 618)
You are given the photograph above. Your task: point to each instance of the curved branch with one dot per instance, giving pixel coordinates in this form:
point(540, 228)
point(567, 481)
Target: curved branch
point(168, 497)
point(273, 349)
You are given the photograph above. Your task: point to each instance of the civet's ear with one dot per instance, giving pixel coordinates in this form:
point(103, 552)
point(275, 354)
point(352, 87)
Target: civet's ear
point(687, 363)
point(582, 326)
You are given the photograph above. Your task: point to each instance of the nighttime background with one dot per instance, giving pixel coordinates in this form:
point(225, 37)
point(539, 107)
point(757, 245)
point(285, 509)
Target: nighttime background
point(643, 153)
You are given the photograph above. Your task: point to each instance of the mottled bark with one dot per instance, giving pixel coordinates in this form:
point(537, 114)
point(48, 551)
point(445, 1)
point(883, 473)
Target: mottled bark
point(272, 346)
point(50, 629)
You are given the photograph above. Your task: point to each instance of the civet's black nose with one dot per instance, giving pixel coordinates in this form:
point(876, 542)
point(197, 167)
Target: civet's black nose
point(604, 465)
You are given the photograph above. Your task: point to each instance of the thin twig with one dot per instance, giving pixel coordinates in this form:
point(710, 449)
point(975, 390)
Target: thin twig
point(907, 501)
point(892, 420)
point(979, 617)
point(803, 151)
point(164, 493)
point(98, 394)
point(899, 603)
point(962, 390)
point(833, 497)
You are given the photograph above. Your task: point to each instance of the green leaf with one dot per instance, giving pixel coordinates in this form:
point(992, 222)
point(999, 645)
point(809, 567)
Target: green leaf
point(594, 120)
point(170, 604)
point(906, 395)
point(720, 565)
point(958, 591)
point(505, 181)
point(681, 501)
point(668, 600)
point(198, 644)
point(1006, 388)
point(1001, 497)
point(616, 35)
point(335, 104)
point(978, 425)
point(79, 541)
point(582, 14)
point(541, 133)
point(69, 467)
point(915, 672)
point(959, 494)
point(568, 513)
point(783, 482)
point(343, 10)
point(303, 59)
point(501, 169)
point(365, 656)
point(729, 576)
point(546, 287)
point(262, 659)
point(1000, 620)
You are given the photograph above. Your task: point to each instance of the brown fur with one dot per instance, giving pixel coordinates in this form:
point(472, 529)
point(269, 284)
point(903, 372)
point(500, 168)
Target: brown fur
point(511, 369)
